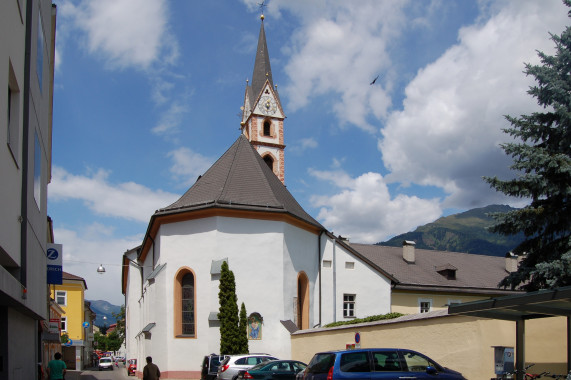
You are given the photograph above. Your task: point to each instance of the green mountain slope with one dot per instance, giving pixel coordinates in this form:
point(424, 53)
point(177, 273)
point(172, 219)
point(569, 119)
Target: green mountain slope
point(464, 232)
point(104, 311)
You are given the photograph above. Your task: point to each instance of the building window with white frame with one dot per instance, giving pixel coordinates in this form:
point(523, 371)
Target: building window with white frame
point(425, 305)
point(349, 305)
point(61, 297)
point(63, 324)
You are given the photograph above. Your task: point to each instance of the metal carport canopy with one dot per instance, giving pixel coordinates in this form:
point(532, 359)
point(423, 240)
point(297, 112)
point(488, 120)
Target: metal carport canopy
point(519, 308)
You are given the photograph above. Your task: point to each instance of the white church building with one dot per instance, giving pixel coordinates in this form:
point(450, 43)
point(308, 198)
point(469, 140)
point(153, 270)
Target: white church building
point(291, 273)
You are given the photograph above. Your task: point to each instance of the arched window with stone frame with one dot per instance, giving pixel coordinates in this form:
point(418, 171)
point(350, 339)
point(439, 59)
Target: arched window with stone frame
point(185, 303)
point(269, 160)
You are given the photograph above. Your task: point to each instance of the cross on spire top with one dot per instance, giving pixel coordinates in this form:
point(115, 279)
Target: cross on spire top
point(262, 5)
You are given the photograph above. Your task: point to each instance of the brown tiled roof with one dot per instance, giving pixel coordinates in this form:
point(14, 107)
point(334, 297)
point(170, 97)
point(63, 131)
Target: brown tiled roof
point(474, 273)
point(69, 276)
point(240, 179)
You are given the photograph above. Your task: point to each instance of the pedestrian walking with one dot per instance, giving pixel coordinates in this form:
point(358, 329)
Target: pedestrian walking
point(151, 371)
point(57, 368)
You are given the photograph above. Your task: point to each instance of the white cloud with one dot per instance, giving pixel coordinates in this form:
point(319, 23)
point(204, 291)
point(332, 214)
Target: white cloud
point(127, 33)
point(84, 251)
point(127, 200)
point(188, 165)
point(339, 51)
point(364, 210)
point(447, 134)
point(303, 145)
point(171, 119)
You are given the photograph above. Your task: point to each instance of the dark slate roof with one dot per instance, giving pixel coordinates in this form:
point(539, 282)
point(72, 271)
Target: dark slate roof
point(477, 272)
point(262, 68)
point(241, 180)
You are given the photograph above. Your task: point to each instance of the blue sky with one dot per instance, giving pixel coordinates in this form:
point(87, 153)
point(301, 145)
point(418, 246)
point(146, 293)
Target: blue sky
point(148, 93)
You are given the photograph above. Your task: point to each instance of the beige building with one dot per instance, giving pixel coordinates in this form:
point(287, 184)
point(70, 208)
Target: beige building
point(429, 280)
point(27, 44)
point(464, 344)
point(425, 283)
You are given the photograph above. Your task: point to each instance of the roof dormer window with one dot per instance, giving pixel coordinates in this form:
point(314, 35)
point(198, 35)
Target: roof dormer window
point(447, 270)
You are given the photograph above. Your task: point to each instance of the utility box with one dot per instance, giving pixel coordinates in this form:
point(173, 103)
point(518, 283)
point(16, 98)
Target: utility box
point(504, 360)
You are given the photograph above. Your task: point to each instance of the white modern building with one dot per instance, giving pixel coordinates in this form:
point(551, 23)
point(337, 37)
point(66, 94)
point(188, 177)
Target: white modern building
point(27, 43)
point(291, 273)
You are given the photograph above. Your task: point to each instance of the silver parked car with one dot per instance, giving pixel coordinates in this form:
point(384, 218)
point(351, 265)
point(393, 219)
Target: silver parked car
point(233, 364)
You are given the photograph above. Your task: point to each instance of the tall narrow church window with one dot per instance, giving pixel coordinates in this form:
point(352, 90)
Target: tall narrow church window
point(184, 303)
point(269, 161)
point(267, 128)
point(187, 305)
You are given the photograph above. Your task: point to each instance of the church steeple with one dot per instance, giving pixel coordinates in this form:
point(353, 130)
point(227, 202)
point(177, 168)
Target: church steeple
point(262, 113)
point(262, 68)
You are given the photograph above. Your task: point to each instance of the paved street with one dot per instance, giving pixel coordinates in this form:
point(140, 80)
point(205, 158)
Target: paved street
point(93, 374)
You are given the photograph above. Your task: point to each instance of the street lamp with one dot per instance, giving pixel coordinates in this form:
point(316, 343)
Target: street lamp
point(101, 269)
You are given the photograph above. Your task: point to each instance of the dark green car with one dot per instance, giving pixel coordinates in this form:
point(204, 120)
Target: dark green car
point(273, 370)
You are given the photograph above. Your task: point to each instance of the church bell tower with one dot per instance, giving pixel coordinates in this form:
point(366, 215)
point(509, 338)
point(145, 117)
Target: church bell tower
point(262, 113)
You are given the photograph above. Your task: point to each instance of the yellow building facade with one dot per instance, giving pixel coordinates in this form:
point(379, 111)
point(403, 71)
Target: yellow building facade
point(405, 302)
point(70, 296)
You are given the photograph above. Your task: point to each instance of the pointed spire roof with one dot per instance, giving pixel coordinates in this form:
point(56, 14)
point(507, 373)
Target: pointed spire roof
point(262, 68)
point(240, 180)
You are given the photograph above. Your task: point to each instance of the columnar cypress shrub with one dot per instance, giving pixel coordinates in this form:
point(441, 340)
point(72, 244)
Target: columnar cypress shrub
point(228, 313)
point(244, 349)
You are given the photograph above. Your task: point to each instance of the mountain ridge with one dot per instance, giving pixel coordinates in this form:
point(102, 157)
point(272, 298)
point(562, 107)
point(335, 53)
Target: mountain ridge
point(104, 312)
point(463, 232)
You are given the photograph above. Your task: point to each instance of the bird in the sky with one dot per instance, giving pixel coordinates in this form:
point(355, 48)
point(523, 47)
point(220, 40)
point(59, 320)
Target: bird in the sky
point(374, 80)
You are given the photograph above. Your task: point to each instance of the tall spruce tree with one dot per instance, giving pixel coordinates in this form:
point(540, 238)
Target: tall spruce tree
point(228, 313)
point(244, 349)
point(542, 159)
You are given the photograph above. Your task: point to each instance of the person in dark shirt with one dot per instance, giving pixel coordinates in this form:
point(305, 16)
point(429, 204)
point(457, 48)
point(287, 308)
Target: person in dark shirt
point(151, 371)
point(56, 368)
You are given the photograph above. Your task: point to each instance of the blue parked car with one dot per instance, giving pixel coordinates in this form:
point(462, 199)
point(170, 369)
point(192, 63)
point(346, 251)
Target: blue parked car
point(376, 363)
